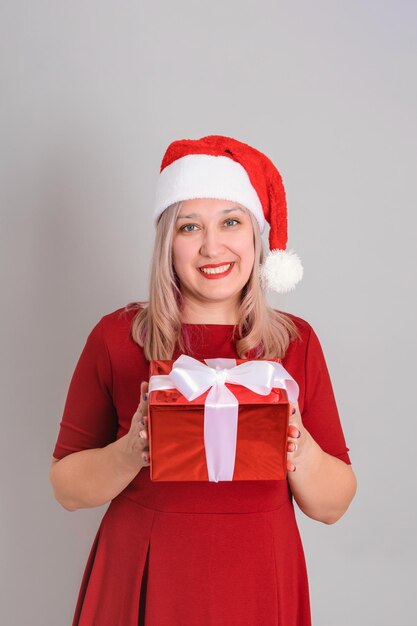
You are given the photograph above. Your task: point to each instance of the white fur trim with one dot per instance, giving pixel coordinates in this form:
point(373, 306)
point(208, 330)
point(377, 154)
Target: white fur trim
point(281, 271)
point(206, 176)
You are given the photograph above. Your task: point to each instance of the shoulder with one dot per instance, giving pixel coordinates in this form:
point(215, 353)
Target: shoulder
point(114, 327)
point(122, 314)
point(120, 318)
point(308, 343)
point(303, 326)
point(114, 337)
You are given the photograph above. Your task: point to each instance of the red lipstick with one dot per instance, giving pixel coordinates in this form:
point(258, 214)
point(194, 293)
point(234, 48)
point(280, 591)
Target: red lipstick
point(214, 265)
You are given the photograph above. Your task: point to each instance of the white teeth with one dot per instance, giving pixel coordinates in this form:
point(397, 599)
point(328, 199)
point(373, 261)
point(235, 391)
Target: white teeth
point(215, 270)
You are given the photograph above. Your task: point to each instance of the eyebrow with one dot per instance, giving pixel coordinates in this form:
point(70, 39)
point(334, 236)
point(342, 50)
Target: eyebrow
point(192, 215)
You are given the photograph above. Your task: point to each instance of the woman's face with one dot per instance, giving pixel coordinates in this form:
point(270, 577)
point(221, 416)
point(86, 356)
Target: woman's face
point(213, 249)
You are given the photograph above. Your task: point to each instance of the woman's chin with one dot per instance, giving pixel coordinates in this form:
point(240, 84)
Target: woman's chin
point(218, 295)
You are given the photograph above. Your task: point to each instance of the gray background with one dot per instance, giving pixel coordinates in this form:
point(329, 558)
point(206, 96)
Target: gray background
point(91, 94)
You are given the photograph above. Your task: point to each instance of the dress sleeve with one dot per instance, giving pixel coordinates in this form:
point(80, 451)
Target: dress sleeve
point(89, 419)
point(320, 415)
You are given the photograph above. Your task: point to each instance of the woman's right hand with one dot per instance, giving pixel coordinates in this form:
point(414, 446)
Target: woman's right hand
point(136, 442)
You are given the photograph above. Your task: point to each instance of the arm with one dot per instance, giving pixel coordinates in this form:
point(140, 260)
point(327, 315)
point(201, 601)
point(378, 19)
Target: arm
point(90, 478)
point(322, 485)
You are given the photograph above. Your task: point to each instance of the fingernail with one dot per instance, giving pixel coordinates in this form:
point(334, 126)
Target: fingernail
point(299, 434)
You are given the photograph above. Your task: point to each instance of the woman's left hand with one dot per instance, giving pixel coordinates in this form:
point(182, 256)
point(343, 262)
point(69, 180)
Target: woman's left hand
point(297, 438)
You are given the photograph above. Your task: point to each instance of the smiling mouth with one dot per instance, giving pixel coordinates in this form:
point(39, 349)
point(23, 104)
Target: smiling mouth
point(220, 269)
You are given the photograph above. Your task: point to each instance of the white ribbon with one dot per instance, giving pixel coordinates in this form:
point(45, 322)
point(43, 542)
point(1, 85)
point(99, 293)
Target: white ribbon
point(192, 378)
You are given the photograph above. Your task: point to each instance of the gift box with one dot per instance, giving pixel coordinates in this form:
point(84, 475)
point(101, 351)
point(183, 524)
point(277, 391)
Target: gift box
point(219, 419)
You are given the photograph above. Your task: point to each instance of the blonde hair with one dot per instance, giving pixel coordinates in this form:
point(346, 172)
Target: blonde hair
point(157, 325)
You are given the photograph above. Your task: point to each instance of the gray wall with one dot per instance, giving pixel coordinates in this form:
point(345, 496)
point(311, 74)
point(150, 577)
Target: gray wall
point(91, 94)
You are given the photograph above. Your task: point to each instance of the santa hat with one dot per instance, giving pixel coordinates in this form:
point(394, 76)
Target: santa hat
point(228, 169)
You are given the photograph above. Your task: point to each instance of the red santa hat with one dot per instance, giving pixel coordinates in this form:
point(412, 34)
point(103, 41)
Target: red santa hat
point(228, 169)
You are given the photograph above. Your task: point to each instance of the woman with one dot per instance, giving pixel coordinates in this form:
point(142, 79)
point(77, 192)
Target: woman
point(201, 553)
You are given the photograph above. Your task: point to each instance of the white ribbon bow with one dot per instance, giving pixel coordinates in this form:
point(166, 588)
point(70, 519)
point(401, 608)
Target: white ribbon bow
point(192, 378)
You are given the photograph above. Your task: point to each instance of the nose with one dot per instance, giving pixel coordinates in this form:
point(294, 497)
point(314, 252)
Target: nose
point(212, 245)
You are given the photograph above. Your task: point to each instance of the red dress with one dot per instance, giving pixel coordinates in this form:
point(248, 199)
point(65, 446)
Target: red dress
point(191, 553)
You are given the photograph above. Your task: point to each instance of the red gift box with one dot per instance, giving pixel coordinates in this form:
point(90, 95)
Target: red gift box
point(177, 428)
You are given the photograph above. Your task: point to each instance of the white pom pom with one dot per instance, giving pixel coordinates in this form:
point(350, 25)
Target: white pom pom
point(281, 271)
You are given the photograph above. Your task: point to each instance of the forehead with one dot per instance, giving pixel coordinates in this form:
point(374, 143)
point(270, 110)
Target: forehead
point(209, 206)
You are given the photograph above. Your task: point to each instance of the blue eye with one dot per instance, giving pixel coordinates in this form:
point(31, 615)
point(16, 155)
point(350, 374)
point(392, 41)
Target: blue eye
point(189, 228)
point(183, 228)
